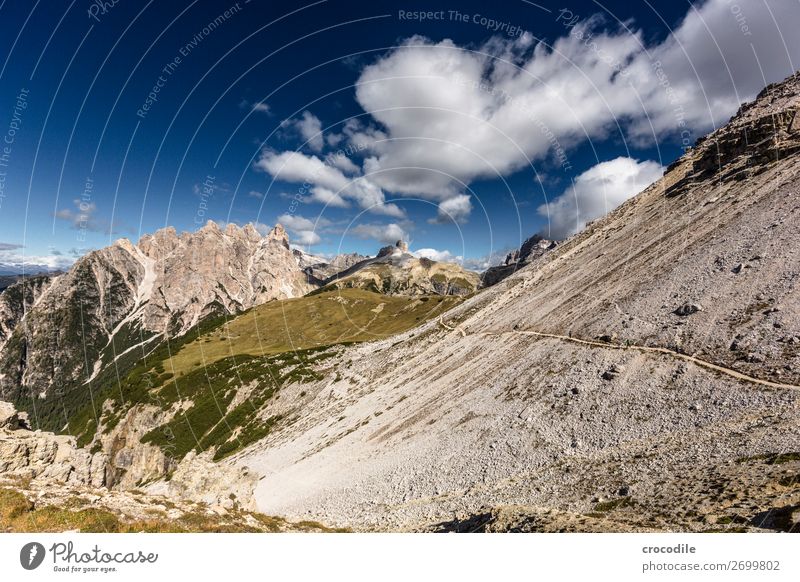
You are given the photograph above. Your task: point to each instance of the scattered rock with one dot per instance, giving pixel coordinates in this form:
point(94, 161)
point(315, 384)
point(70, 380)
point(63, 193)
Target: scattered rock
point(614, 371)
point(688, 309)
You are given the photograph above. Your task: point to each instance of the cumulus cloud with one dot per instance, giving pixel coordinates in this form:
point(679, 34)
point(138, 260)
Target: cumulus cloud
point(596, 192)
point(342, 162)
point(456, 209)
point(441, 116)
point(444, 256)
point(328, 183)
point(304, 231)
point(310, 129)
point(306, 238)
point(383, 233)
point(454, 115)
point(327, 197)
point(258, 107)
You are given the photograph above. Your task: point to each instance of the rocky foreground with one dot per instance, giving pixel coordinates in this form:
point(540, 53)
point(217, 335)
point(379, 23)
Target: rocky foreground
point(47, 483)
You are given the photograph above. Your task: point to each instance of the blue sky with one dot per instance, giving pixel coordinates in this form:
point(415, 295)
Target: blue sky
point(465, 129)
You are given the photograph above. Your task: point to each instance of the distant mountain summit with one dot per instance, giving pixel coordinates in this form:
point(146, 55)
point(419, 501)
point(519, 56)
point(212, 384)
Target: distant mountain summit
point(116, 305)
point(395, 271)
point(319, 269)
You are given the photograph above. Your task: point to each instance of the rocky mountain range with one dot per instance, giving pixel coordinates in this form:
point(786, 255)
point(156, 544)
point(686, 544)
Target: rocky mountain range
point(65, 335)
point(127, 297)
point(642, 375)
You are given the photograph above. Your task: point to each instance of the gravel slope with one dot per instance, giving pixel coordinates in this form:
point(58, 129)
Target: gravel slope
point(460, 417)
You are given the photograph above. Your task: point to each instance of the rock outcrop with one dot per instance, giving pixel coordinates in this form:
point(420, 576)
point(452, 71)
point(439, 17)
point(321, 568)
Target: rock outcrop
point(212, 272)
point(531, 250)
point(35, 454)
point(51, 458)
point(131, 462)
point(198, 478)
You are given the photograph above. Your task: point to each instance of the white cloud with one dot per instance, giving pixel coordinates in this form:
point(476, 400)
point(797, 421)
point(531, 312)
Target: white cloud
point(306, 238)
point(12, 259)
point(298, 168)
point(456, 209)
point(453, 116)
point(444, 256)
point(440, 116)
point(303, 230)
point(383, 233)
point(310, 128)
point(721, 54)
point(330, 185)
point(295, 222)
point(84, 218)
point(259, 107)
point(342, 162)
point(327, 197)
point(256, 194)
point(596, 192)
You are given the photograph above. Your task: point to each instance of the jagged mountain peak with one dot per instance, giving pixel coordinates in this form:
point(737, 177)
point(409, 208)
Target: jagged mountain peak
point(125, 295)
point(279, 234)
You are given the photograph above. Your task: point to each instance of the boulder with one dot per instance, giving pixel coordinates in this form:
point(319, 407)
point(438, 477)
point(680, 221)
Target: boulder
point(688, 309)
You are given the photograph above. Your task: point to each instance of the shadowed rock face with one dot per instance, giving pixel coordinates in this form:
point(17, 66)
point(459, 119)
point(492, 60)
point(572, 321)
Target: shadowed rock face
point(112, 299)
point(17, 299)
point(531, 250)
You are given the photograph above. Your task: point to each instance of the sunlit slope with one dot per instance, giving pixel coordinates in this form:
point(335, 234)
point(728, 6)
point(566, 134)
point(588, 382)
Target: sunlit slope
point(331, 317)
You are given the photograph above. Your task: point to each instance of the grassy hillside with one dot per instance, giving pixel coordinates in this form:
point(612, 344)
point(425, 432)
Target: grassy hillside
point(260, 351)
point(321, 319)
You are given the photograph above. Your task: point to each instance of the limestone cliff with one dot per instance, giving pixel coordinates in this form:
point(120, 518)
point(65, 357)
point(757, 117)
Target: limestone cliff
point(64, 332)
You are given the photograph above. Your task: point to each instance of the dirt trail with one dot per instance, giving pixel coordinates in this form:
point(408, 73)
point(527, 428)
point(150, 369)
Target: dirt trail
point(652, 349)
